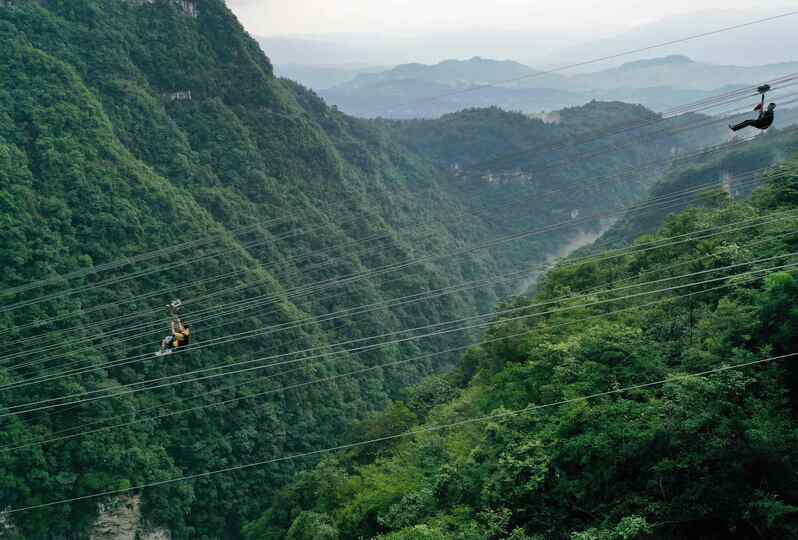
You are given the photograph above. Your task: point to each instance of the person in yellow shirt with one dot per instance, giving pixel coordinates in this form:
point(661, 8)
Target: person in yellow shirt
point(181, 332)
point(178, 339)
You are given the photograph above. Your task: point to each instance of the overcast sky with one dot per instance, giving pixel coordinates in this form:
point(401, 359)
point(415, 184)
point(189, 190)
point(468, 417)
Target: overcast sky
point(280, 17)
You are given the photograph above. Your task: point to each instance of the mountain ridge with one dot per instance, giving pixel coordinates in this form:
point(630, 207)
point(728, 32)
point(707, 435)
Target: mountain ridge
point(126, 128)
point(658, 83)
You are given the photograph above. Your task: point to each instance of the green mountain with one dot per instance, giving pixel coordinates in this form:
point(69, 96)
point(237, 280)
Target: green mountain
point(731, 163)
point(639, 395)
point(147, 152)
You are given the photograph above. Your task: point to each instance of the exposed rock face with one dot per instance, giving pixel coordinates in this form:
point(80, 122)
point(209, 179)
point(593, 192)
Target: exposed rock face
point(7, 528)
point(120, 519)
point(187, 7)
point(156, 534)
point(183, 95)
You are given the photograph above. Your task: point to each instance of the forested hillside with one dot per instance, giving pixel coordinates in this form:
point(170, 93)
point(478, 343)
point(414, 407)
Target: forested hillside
point(147, 152)
point(735, 166)
point(512, 166)
point(647, 393)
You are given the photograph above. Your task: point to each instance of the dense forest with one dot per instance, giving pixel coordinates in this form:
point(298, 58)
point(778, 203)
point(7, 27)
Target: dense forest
point(614, 412)
point(737, 165)
point(147, 152)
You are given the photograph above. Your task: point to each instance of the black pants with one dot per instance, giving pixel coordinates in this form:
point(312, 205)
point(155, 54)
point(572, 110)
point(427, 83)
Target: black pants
point(743, 125)
point(763, 122)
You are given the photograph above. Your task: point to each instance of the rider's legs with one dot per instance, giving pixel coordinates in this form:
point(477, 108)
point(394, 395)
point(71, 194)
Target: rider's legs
point(166, 344)
point(742, 125)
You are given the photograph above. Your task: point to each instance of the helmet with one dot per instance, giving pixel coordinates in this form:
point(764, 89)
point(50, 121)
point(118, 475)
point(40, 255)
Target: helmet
point(772, 106)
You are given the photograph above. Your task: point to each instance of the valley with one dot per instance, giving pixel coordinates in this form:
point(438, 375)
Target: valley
point(369, 357)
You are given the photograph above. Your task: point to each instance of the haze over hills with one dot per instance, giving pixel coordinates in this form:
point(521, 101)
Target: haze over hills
point(657, 83)
point(476, 70)
point(752, 46)
point(771, 42)
point(678, 71)
point(321, 77)
point(530, 47)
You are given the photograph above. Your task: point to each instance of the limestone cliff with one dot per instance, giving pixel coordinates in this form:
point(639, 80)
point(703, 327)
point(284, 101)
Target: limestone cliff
point(120, 519)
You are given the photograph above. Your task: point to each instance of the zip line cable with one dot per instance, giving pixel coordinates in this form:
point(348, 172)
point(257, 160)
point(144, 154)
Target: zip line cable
point(361, 340)
point(473, 420)
point(702, 122)
point(259, 379)
point(164, 292)
point(167, 266)
point(142, 257)
point(410, 433)
point(722, 147)
point(59, 436)
point(411, 299)
point(325, 379)
point(266, 297)
point(680, 158)
point(370, 240)
point(692, 37)
point(130, 391)
point(622, 128)
point(725, 116)
point(567, 162)
point(487, 320)
point(7, 308)
point(301, 322)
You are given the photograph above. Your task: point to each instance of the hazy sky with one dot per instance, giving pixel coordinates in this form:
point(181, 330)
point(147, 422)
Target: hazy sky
point(275, 17)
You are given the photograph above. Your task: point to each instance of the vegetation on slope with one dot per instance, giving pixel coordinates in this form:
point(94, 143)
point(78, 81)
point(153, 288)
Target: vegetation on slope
point(738, 167)
point(697, 457)
point(103, 156)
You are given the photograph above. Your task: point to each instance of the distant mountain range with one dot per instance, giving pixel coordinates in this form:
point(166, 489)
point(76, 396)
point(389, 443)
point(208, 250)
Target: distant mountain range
point(454, 73)
point(659, 84)
point(533, 48)
point(771, 42)
point(322, 77)
point(752, 45)
point(340, 66)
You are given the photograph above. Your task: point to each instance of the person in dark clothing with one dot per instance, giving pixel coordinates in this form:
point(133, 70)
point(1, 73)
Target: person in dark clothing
point(765, 120)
